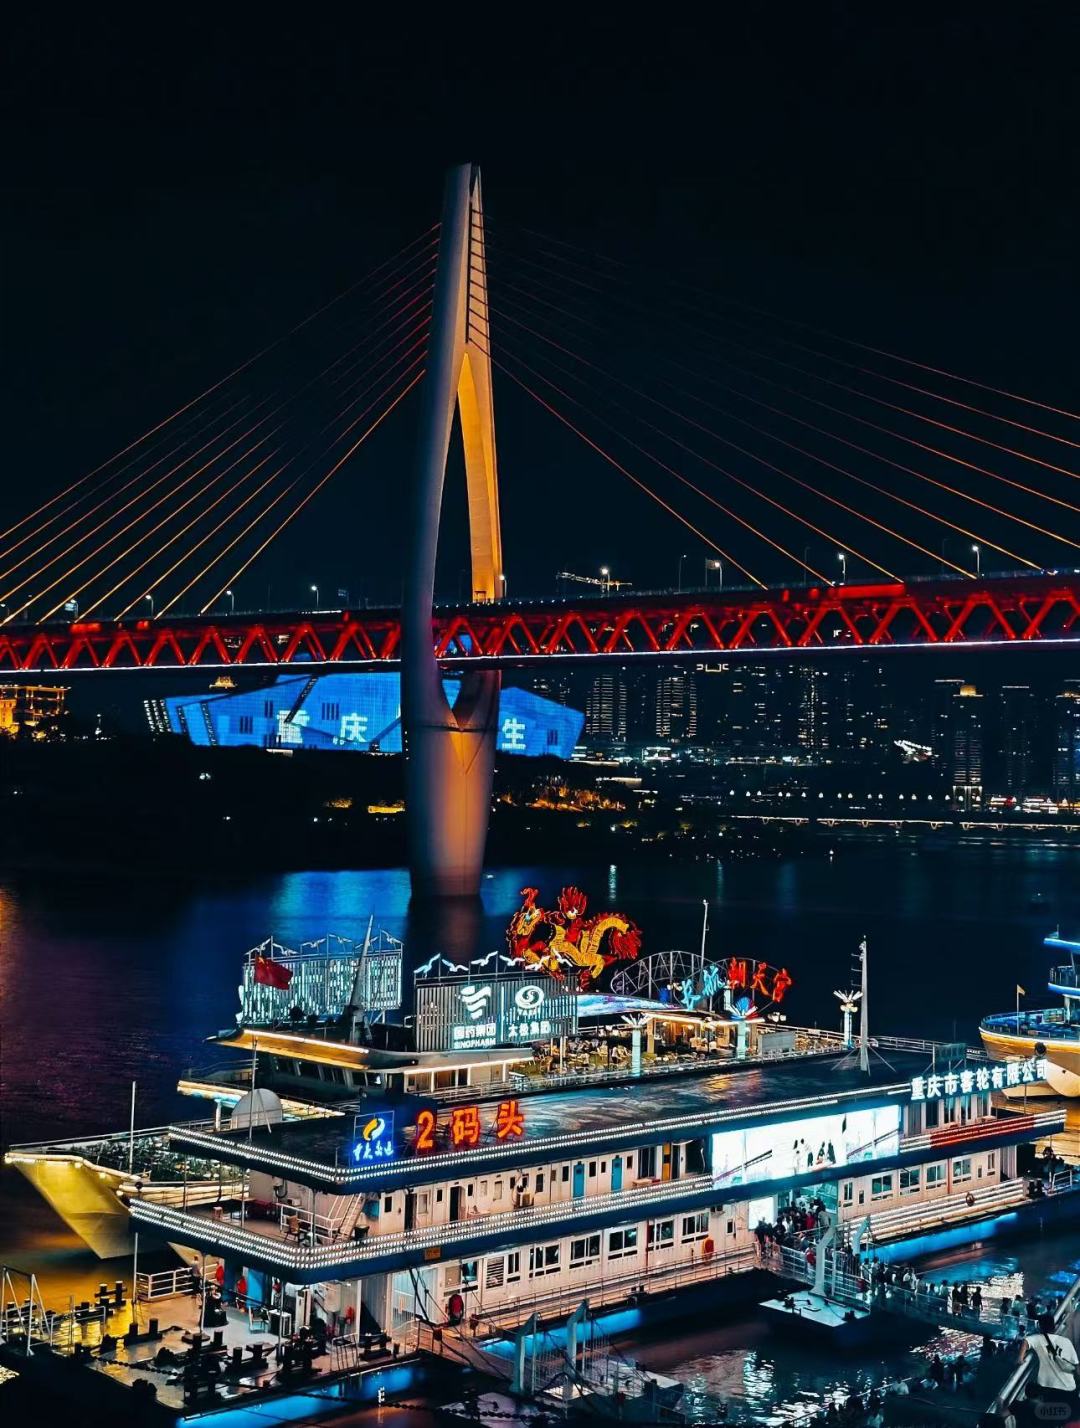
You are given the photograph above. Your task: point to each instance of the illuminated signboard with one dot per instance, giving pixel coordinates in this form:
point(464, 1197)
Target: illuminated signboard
point(934, 1085)
point(376, 1139)
point(476, 1015)
point(464, 1127)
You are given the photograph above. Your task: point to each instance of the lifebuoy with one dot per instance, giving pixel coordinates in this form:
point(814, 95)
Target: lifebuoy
point(709, 1247)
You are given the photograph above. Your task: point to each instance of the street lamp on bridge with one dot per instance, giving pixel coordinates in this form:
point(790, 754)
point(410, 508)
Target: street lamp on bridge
point(714, 565)
point(232, 602)
point(681, 559)
point(841, 556)
point(605, 576)
point(151, 599)
point(315, 591)
point(978, 560)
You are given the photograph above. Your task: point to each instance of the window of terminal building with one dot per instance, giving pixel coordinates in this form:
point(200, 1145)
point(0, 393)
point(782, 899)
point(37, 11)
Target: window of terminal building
point(935, 1175)
point(584, 1251)
point(911, 1181)
point(881, 1187)
point(661, 1234)
point(621, 1243)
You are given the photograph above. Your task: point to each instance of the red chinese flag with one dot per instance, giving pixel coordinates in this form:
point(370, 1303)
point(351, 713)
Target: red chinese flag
point(272, 974)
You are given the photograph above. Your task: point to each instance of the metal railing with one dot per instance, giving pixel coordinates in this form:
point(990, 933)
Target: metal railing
point(993, 1314)
point(164, 1284)
point(1017, 1382)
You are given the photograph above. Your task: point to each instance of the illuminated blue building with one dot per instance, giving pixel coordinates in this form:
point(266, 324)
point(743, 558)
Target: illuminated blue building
point(349, 711)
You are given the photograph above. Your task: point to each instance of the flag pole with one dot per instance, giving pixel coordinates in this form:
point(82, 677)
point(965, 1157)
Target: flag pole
point(864, 1025)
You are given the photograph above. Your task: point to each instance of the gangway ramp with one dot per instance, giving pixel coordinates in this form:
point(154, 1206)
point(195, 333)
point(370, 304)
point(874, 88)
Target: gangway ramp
point(924, 1303)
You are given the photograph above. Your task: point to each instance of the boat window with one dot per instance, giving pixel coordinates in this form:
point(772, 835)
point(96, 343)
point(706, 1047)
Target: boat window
point(622, 1242)
point(935, 1175)
point(661, 1233)
point(584, 1251)
point(961, 1170)
point(544, 1259)
point(881, 1187)
point(695, 1227)
point(910, 1181)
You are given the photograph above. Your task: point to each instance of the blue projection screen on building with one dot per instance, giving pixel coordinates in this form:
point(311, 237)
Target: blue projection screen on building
point(354, 711)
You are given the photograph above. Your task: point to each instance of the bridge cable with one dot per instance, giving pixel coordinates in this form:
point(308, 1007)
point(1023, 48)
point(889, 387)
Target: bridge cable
point(802, 520)
point(262, 513)
point(69, 529)
point(850, 416)
point(875, 455)
point(941, 520)
point(825, 332)
point(292, 397)
point(159, 549)
point(243, 366)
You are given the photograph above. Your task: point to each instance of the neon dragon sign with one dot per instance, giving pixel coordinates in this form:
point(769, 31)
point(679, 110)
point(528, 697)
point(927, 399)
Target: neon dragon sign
point(562, 937)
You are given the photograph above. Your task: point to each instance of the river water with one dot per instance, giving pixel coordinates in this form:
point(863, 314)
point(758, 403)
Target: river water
point(103, 983)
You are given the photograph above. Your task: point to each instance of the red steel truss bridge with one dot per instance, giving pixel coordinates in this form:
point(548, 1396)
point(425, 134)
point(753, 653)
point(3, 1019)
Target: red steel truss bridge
point(1017, 610)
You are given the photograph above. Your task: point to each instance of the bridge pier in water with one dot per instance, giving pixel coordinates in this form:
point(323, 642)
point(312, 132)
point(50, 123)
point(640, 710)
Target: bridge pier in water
point(450, 749)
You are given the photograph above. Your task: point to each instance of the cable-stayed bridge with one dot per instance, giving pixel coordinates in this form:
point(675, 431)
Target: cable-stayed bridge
point(842, 497)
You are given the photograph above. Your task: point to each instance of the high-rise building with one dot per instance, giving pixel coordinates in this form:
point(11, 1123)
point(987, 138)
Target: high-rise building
point(747, 715)
point(825, 714)
point(605, 706)
point(942, 716)
point(966, 748)
point(676, 706)
point(1015, 739)
point(1065, 775)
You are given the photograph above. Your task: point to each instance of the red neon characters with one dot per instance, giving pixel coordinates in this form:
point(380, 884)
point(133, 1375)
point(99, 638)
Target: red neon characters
point(509, 1120)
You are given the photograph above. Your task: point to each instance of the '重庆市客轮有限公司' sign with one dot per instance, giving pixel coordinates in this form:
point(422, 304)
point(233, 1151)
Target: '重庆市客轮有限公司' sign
point(1000, 1077)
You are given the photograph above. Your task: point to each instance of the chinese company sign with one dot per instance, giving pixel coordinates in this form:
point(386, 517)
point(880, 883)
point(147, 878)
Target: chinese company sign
point(463, 1127)
point(376, 1141)
point(472, 1016)
point(934, 1085)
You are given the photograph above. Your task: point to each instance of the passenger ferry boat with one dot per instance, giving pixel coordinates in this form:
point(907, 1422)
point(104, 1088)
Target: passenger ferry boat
point(1052, 1033)
point(507, 1141)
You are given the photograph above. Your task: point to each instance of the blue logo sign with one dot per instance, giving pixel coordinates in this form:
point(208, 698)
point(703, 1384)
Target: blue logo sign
point(376, 1139)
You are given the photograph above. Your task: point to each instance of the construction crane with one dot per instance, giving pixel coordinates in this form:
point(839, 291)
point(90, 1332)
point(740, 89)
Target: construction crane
point(603, 581)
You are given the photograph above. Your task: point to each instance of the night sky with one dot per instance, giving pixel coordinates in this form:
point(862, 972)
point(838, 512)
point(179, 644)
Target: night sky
point(177, 197)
